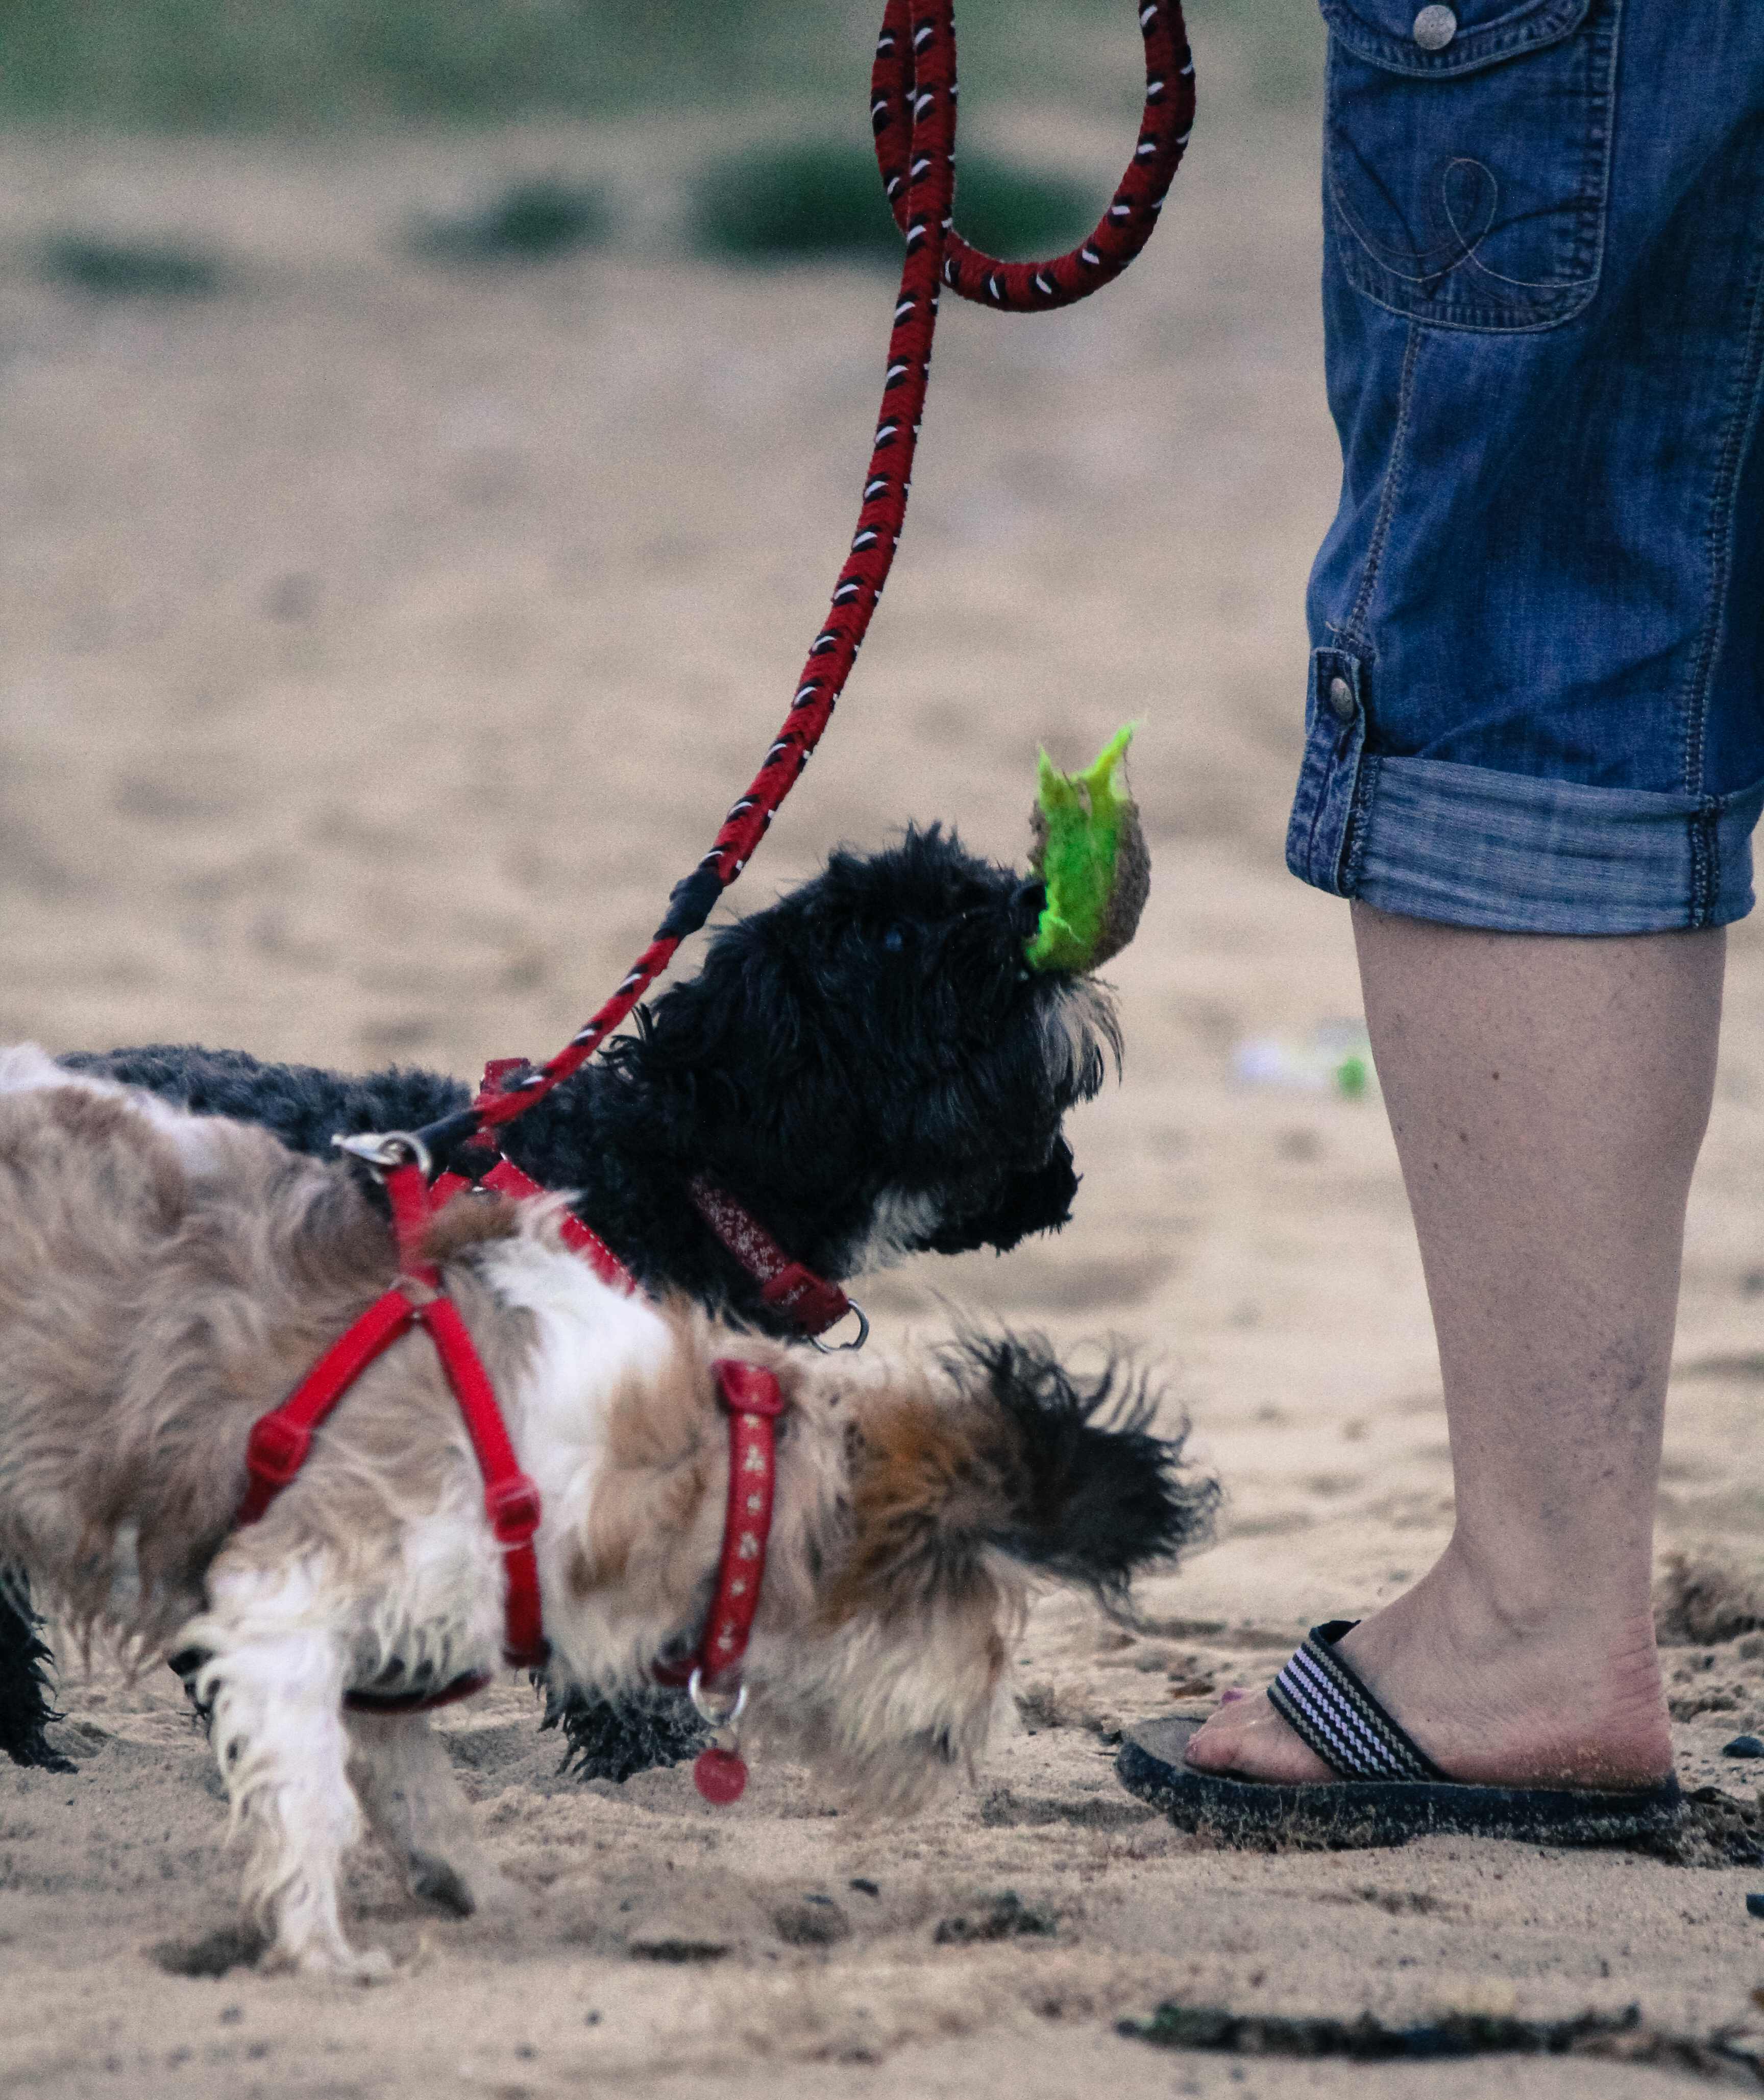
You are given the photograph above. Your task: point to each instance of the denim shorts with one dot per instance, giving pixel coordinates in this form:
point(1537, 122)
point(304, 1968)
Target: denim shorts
point(1536, 691)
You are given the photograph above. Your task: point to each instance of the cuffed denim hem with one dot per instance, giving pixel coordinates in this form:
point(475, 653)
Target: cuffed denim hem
point(1518, 855)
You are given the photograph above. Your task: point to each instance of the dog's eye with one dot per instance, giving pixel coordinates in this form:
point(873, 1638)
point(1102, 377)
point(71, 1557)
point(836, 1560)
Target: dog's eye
point(894, 939)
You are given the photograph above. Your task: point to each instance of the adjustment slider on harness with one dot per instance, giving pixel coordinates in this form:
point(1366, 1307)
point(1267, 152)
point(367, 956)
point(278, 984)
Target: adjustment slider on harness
point(514, 1510)
point(275, 1451)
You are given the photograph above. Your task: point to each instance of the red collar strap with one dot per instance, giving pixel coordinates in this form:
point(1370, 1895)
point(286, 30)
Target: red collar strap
point(280, 1439)
point(810, 1300)
point(750, 1397)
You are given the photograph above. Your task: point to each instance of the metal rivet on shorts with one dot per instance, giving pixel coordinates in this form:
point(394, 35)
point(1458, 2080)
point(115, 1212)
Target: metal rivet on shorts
point(1434, 28)
point(1341, 700)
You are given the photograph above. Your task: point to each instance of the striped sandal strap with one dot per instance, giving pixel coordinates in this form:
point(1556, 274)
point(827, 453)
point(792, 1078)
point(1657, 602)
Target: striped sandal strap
point(1332, 1713)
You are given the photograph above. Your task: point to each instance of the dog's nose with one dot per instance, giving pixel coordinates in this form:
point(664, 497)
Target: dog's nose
point(1028, 904)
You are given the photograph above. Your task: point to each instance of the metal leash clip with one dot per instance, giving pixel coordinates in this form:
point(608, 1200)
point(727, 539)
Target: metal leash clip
point(719, 1771)
point(384, 1150)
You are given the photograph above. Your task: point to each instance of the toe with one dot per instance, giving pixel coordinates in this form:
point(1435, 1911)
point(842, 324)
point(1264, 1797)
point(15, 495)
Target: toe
point(1248, 1740)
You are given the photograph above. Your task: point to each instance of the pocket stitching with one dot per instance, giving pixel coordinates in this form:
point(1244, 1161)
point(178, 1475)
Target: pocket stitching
point(1554, 300)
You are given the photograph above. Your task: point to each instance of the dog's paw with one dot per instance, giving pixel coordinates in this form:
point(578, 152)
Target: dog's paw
point(437, 1881)
point(475, 1889)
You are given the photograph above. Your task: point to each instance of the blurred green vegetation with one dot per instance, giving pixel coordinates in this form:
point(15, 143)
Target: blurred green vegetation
point(530, 221)
point(118, 269)
point(821, 197)
point(307, 65)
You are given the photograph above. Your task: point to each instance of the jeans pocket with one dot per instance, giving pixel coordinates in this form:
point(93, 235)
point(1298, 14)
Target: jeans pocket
point(1467, 158)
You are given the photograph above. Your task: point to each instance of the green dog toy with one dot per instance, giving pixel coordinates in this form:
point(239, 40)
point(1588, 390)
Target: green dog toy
point(1087, 846)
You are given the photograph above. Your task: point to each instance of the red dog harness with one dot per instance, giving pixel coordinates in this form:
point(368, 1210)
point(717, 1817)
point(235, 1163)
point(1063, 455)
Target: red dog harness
point(280, 1440)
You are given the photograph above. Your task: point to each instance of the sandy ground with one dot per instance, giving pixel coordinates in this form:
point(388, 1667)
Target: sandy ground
point(382, 642)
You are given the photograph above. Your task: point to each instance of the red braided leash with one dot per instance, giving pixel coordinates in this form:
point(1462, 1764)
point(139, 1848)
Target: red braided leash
point(913, 77)
point(1122, 231)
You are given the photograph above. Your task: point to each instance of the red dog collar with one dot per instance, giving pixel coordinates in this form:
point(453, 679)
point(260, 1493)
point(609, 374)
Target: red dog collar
point(810, 1300)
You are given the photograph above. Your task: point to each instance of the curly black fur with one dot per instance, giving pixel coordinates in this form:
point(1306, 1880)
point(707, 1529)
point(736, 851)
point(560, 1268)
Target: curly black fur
point(868, 1054)
point(1095, 1496)
point(867, 1065)
point(24, 1708)
point(612, 1739)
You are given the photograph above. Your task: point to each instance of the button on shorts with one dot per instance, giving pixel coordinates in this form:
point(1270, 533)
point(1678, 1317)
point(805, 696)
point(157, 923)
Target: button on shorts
point(1536, 691)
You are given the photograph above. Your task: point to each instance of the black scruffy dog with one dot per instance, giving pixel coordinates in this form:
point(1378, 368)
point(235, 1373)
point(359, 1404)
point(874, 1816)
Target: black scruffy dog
point(868, 1067)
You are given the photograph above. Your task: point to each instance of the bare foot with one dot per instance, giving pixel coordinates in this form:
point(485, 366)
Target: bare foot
point(1564, 1703)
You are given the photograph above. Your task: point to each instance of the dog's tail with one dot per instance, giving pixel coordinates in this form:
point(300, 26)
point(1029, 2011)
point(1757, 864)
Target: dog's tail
point(1061, 1474)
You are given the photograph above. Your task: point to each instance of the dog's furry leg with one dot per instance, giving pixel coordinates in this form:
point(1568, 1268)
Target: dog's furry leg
point(412, 1801)
point(24, 1707)
point(276, 1683)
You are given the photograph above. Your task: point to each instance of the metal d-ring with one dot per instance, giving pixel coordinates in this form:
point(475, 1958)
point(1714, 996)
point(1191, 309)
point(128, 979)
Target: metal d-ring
point(382, 1150)
point(834, 1348)
point(707, 1712)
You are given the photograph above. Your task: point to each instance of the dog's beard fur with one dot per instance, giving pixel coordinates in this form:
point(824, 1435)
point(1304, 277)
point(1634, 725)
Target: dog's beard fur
point(161, 1287)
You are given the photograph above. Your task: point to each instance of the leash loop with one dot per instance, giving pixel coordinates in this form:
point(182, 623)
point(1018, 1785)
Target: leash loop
point(1123, 229)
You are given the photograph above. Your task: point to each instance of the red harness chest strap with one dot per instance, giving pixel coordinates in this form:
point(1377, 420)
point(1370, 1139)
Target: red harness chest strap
point(508, 1179)
point(511, 1501)
point(750, 1397)
point(280, 1439)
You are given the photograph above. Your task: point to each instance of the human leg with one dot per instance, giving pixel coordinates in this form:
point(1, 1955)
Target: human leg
point(1534, 758)
point(1548, 1096)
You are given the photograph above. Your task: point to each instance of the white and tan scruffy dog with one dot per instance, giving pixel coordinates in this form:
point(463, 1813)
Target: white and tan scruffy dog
point(166, 1279)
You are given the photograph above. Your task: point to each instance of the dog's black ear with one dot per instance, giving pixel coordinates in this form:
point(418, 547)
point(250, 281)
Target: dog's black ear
point(1091, 1494)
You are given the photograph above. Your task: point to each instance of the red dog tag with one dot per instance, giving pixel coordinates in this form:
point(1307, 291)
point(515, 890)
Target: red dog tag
point(719, 1775)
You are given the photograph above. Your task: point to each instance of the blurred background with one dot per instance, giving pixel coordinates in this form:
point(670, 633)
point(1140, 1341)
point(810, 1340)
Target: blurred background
point(315, 66)
point(429, 435)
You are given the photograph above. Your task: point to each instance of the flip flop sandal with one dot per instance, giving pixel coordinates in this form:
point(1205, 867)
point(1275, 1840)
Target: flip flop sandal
point(1389, 1789)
